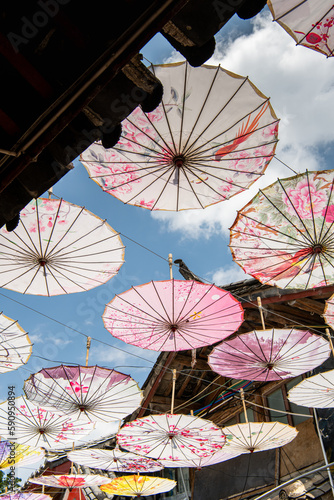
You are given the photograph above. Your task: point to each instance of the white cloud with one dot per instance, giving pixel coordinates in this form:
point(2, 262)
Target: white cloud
point(226, 275)
point(299, 83)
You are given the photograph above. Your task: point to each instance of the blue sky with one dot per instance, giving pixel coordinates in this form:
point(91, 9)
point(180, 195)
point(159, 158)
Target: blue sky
point(300, 85)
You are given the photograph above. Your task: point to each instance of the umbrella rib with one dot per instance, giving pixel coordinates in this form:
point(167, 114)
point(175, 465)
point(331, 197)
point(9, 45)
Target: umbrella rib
point(295, 210)
point(21, 254)
point(230, 141)
point(202, 108)
point(201, 154)
point(263, 104)
point(216, 177)
point(89, 233)
point(322, 237)
point(184, 170)
point(52, 229)
point(313, 26)
point(216, 116)
point(167, 149)
point(156, 314)
point(183, 105)
point(52, 251)
point(304, 239)
point(187, 298)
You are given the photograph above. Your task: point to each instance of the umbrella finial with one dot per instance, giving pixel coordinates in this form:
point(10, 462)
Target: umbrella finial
point(170, 260)
point(242, 395)
point(50, 191)
point(88, 347)
point(173, 391)
point(259, 303)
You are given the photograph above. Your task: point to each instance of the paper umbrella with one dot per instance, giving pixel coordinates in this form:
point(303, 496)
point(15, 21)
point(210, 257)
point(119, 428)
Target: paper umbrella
point(284, 236)
point(84, 392)
point(267, 355)
point(58, 248)
point(212, 137)
point(173, 315)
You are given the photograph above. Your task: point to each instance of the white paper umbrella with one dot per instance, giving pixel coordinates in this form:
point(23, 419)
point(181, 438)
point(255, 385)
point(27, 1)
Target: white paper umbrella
point(309, 22)
point(58, 248)
point(86, 392)
point(212, 136)
point(37, 426)
point(138, 486)
point(15, 345)
point(267, 355)
point(115, 460)
point(314, 392)
point(70, 481)
point(257, 436)
point(171, 436)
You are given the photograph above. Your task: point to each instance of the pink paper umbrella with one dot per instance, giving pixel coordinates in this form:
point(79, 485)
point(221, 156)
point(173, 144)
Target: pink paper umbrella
point(173, 315)
point(171, 436)
point(267, 355)
point(86, 392)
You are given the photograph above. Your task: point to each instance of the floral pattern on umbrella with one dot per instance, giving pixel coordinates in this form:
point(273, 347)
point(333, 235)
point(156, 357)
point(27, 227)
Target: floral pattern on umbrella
point(212, 137)
point(173, 315)
point(70, 481)
point(257, 436)
point(18, 454)
point(314, 392)
point(284, 235)
point(15, 345)
point(85, 392)
point(114, 460)
point(310, 23)
point(37, 426)
point(58, 248)
point(268, 355)
point(172, 436)
point(138, 486)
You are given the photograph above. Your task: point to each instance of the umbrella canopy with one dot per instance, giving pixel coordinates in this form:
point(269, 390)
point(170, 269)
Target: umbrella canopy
point(257, 436)
point(37, 426)
point(173, 315)
point(197, 463)
point(15, 345)
point(176, 437)
point(138, 486)
point(268, 355)
point(18, 454)
point(115, 460)
point(58, 248)
point(284, 235)
point(314, 392)
point(211, 137)
point(85, 392)
point(309, 22)
point(70, 481)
